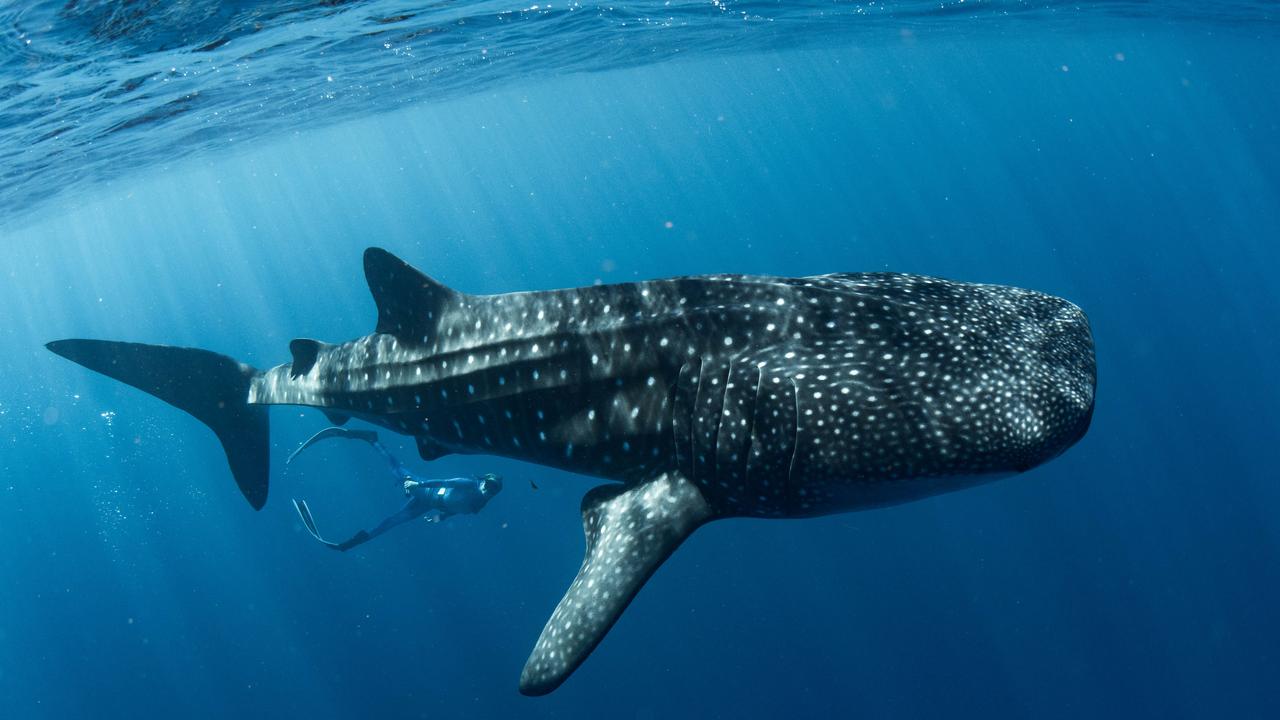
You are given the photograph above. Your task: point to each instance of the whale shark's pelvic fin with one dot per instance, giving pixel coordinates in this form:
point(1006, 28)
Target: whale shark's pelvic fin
point(409, 302)
point(211, 387)
point(429, 449)
point(630, 532)
point(337, 418)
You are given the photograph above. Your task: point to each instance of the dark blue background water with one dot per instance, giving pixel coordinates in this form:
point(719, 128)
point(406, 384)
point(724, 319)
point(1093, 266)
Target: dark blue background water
point(1131, 166)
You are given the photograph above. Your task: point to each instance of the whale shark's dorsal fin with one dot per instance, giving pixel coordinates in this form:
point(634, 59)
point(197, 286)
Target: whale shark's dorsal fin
point(630, 532)
point(409, 302)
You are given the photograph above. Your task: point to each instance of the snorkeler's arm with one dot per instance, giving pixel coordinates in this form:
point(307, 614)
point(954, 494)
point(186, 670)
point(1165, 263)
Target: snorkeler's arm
point(451, 483)
point(398, 470)
point(435, 516)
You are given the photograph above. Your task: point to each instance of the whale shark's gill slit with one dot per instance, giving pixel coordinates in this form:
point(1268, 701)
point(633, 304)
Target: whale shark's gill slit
point(684, 405)
point(735, 426)
point(748, 423)
point(707, 416)
point(719, 421)
point(795, 432)
point(694, 392)
point(749, 449)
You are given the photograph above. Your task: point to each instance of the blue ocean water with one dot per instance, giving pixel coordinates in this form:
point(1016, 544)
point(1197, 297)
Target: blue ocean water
point(189, 174)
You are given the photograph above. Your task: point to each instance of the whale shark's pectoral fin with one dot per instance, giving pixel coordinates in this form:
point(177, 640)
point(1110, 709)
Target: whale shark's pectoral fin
point(630, 532)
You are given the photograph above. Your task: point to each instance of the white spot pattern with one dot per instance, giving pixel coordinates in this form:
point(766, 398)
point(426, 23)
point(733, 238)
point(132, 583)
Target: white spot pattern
point(762, 396)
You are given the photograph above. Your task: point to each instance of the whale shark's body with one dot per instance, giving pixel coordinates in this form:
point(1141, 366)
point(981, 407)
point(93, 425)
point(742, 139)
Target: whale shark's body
point(703, 397)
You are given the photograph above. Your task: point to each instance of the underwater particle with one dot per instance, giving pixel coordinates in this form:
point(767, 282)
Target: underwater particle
point(608, 265)
point(1119, 57)
point(668, 224)
point(50, 415)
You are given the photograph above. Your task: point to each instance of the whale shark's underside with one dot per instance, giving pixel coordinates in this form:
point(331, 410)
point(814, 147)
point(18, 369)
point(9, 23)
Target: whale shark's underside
point(699, 398)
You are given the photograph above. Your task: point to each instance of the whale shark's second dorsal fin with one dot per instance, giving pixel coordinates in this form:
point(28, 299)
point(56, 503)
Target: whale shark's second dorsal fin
point(305, 352)
point(409, 302)
point(630, 532)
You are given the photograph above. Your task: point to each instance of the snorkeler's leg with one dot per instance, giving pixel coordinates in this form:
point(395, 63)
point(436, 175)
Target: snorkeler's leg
point(358, 539)
point(398, 470)
point(411, 510)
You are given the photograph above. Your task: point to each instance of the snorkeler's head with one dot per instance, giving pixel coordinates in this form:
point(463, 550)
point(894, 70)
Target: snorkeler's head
point(490, 484)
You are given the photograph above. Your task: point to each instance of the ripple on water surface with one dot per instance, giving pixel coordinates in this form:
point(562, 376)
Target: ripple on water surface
point(91, 89)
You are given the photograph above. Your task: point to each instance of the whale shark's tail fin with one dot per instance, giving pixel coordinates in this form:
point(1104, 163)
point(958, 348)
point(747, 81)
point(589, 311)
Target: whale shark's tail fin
point(630, 532)
point(213, 388)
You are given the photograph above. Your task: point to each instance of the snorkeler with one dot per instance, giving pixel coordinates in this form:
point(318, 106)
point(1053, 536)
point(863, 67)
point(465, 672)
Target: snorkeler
point(433, 500)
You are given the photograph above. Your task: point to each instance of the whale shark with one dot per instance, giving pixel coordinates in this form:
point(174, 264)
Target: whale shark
point(696, 398)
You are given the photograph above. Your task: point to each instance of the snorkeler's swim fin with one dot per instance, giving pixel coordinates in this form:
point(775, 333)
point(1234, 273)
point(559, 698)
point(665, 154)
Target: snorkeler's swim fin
point(368, 436)
point(211, 387)
point(305, 513)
